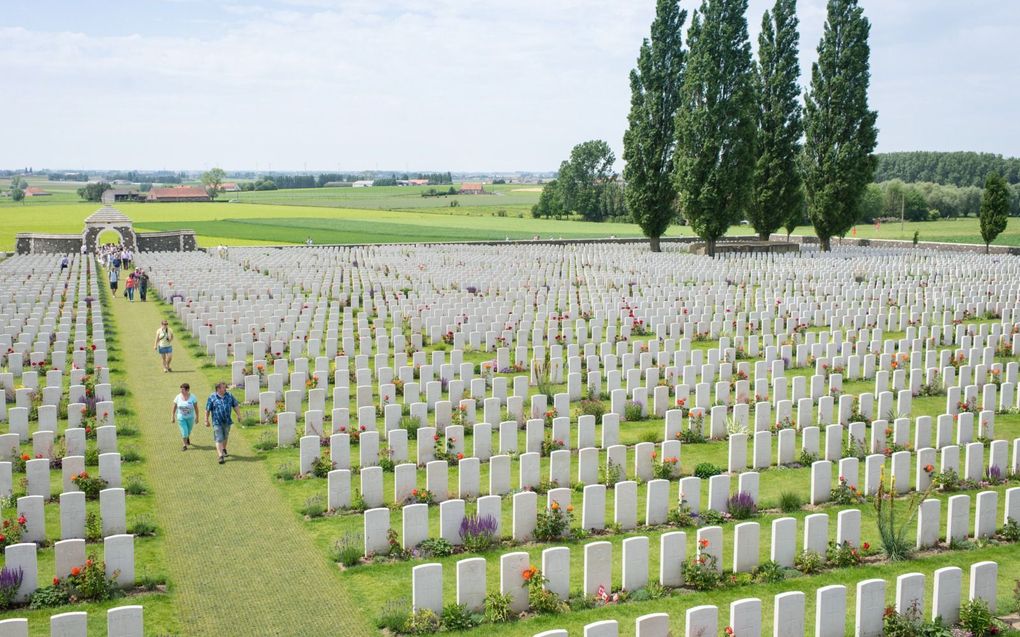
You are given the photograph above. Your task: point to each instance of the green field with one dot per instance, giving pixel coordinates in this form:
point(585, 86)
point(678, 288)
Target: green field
point(384, 214)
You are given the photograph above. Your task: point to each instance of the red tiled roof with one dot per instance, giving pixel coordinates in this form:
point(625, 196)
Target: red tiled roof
point(178, 192)
point(471, 186)
point(33, 191)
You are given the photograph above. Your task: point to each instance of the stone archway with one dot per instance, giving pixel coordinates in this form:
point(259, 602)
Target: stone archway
point(108, 218)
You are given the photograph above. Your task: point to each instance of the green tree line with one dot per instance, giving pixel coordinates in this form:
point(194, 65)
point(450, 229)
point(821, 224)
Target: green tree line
point(956, 168)
point(927, 201)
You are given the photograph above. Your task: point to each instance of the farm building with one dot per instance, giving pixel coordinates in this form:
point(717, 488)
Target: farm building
point(362, 183)
point(230, 187)
point(178, 193)
point(472, 188)
point(114, 195)
point(33, 191)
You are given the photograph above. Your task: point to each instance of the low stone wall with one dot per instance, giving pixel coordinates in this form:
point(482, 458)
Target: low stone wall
point(172, 241)
point(36, 243)
point(743, 247)
point(897, 243)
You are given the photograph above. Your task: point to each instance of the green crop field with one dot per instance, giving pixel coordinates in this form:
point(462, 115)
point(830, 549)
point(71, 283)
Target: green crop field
point(385, 214)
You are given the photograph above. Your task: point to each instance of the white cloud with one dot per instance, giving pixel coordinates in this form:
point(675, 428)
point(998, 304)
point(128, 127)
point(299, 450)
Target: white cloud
point(444, 85)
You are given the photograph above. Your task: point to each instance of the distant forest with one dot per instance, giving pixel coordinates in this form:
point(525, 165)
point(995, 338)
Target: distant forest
point(956, 169)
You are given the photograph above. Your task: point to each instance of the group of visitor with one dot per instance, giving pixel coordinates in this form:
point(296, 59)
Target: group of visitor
point(219, 407)
point(113, 255)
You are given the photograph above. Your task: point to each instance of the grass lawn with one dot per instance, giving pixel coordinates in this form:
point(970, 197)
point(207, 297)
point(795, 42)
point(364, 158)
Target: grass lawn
point(386, 214)
point(384, 585)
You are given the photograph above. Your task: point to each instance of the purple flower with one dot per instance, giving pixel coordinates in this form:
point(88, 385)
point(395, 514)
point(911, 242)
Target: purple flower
point(10, 582)
point(741, 505)
point(478, 531)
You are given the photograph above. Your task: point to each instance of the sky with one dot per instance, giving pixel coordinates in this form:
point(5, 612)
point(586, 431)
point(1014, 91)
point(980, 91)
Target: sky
point(484, 85)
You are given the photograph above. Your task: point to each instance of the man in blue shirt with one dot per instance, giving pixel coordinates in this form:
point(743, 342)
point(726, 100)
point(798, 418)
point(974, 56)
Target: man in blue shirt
point(218, 408)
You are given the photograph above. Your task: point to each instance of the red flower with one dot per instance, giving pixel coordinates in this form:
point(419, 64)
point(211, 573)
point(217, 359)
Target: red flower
point(21, 519)
point(75, 572)
point(703, 543)
point(865, 546)
point(56, 581)
point(729, 631)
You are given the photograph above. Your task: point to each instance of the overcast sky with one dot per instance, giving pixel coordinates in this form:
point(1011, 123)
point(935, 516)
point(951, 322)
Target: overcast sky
point(429, 84)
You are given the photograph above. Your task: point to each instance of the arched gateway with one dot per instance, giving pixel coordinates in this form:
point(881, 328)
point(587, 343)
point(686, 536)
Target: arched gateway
point(106, 218)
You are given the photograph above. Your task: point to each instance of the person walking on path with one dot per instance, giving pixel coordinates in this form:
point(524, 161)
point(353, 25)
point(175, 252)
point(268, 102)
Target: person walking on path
point(129, 287)
point(143, 284)
point(164, 345)
point(114, 276)
point(218, 408)
point(185, 411)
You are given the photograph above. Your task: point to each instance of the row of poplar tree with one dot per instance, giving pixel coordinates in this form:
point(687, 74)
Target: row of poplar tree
point(724, 137)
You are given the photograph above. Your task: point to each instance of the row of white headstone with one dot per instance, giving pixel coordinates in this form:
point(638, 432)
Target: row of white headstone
point(415, 526)
point(123, 621)
point(830, 618)
point(33, 287)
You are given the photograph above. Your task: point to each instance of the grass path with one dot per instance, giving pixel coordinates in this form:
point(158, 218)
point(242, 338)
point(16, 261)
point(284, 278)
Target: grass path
point(239, 560)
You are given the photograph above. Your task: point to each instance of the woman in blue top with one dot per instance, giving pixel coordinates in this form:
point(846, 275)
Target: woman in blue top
point(185, 411)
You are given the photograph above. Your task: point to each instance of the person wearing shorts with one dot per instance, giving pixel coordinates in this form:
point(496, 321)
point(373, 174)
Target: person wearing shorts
point(114, 275)
point(164, 345)
point(184, 412)
point(217, 409)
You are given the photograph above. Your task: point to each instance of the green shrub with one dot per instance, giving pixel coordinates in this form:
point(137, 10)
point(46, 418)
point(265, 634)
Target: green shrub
point(711, 517)
point(266, 442)
point(706, 470)
point(321, 467)
point(976, 618)
point(347, 551)
point(632, 411)
point(1011, 531)
point(422, 622)
point(130, 454)
point(457, 617)
point(393, 616)
point(809, 562)
point(143, 526)
point(790, 502)
point(806, 458)
point(93, 527)
point(497, 608)
point(701, 572)
point(552, 524)
point(434, 547)
point(592, 407)
point(681, 516)
point(314, 507)
point(286, 471)
point(127, 430)
point(843, 555)
point(48, 597)
point(769, 572)
point(135, 486)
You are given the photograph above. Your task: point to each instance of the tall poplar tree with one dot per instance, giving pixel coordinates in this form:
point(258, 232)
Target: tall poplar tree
point(994, 208)
point(650, 140)
point(839, 128)
point(715, 124)
point(777, 191)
